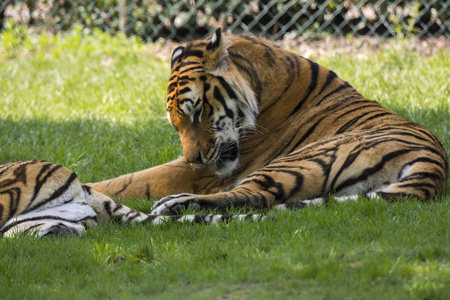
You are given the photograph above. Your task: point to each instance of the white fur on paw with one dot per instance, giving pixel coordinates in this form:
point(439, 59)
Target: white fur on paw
point(165, 205)
point(280, 207)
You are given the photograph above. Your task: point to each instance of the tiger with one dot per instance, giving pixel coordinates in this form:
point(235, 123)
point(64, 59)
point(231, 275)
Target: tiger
point(48, 200)
point(262, 127)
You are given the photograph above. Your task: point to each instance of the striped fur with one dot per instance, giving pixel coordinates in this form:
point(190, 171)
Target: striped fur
point(48, 200)
point(261, 126)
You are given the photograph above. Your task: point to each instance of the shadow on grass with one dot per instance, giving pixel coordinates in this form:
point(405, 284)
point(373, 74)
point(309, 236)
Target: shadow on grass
point(94, 149)
point(97, 150)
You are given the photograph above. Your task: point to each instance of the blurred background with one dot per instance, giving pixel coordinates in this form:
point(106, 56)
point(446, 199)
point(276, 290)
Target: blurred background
point(275, 19)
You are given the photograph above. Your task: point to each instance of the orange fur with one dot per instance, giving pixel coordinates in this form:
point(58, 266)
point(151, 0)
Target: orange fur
point(313, 135)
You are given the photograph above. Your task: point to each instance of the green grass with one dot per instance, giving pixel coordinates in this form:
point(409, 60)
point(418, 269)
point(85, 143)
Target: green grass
point(59, 102)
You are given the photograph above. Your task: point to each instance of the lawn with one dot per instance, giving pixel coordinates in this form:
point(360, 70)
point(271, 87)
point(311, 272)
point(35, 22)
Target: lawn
point(96, 105)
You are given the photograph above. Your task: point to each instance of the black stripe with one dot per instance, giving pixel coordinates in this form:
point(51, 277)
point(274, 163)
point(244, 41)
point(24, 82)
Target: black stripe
point(422, 175)
point(197, 103)
point(373, 104)
point(196, 53)
point(86, 188)
point(296, 60)
point(298, 181)
point(206, 87)
point(384, 132)
point(287, 86)
point(270, 54)
point(264, 198)
point(249, 69)
point(107, 207)
point(416, 185)
point(369, 171)
point(185, 77)
point(183, 83)
point(29, 229)
point(245, 196)
point(40, 182)
point(201, 69)
point(348, 124)
point(62, 189)
point(268, 183)
point(427, 133)
point(197, 116)
point(14, 199)
point(314, 75)
point(177, 58)
point(326, 169)
point(290, 74)
point(189, 63)
point(49, 217)
point(348, 161)
point(417, 160)
point(125, 186)
point(331, 76)
point(218, 96)
point(119, 206)
point(218, 34)
point(336, 90)
point(386, 113)
point(185, 90)
point(309, 132)
point(227, 87)
point(19, 172)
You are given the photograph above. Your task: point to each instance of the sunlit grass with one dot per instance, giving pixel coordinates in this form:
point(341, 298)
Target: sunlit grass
point(96, 104)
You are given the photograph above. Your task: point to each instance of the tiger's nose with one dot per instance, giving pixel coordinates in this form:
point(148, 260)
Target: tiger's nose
point(195, 159)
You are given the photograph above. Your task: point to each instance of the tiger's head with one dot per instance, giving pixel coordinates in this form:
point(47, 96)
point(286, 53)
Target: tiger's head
point(209, 104)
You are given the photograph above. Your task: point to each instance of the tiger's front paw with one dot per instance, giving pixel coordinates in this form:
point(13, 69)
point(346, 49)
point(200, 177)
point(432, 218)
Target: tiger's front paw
point(175, 204)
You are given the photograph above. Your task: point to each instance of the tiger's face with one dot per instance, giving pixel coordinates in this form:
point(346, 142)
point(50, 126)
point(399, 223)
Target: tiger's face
point(208, 106)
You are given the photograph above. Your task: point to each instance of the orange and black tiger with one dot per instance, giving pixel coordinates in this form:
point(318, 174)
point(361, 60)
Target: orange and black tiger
point(48, 200)
point(261, 126)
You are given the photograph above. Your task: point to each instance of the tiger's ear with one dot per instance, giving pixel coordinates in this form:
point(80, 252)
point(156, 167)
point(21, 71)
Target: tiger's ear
point(176, 56)
point(216, 53)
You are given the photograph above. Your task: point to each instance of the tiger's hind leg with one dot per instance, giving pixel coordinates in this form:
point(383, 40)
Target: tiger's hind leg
point(85, 208)
point(60, 220)
point(44, 199)
point(46, 228)
point(380, 164)
point(412, 182)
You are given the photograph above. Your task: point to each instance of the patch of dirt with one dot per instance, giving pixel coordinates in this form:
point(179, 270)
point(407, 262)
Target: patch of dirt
point(360, 48)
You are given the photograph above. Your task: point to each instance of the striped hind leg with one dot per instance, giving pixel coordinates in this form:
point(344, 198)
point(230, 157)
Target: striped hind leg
point(419, 180)
point(375, 164)
point(412, 182)
point(83, 207)
point(59, 220)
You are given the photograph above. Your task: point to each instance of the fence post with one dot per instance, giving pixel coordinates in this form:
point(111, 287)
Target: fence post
point(124, 12)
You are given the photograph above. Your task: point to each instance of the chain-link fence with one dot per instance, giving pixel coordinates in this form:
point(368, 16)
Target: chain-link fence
point(178, 20)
